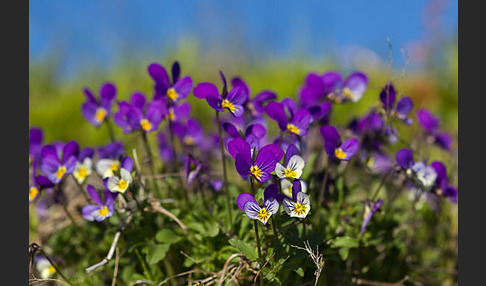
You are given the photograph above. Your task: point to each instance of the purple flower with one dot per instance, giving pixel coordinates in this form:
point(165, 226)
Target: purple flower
point(430, 124)
point(165, 148)
point(287, 187)
point(35, 144)
point(442, 187)
point(39, 183)
point(191, 133)
point(232, 100)
point(84, 165)
point(216, 185)
point(176, 90)
point(421, 175)
point(145, 116)
point(377, 162)
point(102, 209)
point(96, 110)
point(340, 91)
point(192, 168)
point(370, 208)
point(248, 204)
point(255, 105)
point(178, 112)
point(258, 165)
point(55, 166)
point(299, 205)
point(402, 108)
point(298, 120)
point(334, 147)
point(253, 134)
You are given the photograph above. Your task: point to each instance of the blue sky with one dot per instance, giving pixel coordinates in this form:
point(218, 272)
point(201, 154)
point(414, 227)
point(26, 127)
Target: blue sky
point(97, 31)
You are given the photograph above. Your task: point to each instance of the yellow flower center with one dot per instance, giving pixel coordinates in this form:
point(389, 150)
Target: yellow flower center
point(115, 166)
point(289, 173)
point(81, 173)
point(370, 162)
point(103, 211)
point(300, 208)
point(347, 93)
point(255, 171)
point(51, 269)
point(100, 114)
point(263, 215)
point(33, 191)
point(146, 125)
point(171, 116)
point(189, 140)
point(172, 94)
point(292, 128)
point(122, 184)
point(60, 172)
point(229, 105)
point(339, 153)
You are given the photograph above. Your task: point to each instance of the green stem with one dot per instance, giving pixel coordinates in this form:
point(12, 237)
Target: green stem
point(175, 164)
point(276, 234)
point(223, 157)
point(144, 264)
point(151, 161)
point(111, 133)
point(324, 182)
point(382, 182)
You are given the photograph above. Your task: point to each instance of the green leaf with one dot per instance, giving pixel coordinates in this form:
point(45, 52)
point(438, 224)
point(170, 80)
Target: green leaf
point(344, 252)
point(156, 252)
point(167, 236)
point(247, 249)
point(300, 271)
point(345, 241)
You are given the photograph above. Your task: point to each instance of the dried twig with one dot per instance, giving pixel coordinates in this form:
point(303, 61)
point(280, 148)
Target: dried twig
point(317, 258)
point(225, 267)
point(113, 245)
point(258, 273)
point(158, 208)
point(115, 272)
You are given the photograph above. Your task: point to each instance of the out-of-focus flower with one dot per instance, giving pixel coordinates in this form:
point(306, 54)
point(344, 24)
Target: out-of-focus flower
point(38, 183)
point(431, 124)
point(334, 147)
point(120, 181)
point(109, 159)
point(297, 121)
point(55, 166)
point(84, 165)
point(192, 168)
point(35, 144)
point(103, 208)
point(402, 108)
point(44, 267)
point(370, 209)
point(97, 110)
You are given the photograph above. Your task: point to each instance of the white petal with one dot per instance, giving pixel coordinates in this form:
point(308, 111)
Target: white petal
point(296, 163)
point(113, 182)
point(125, 175)
point(288, 206)
point(280, 170)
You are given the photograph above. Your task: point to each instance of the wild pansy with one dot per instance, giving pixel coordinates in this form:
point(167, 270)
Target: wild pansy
point(421, 175)
point(55, 166)
point(96, 110)
point(401, 109)
point(103, 208)
point(377, 162)
point(84, 165)
point(442, 187)
point(121, 180)
point(255, 105)
point(109, 159)
point(39, 183)
point(143, 115)
point(430, 124)
point(232, 100)
point(190, 133)
point(294, 164)
point(175, 90)
point(35, 144)
point(299, 205)
point(370, 209)
point(287, 187)
point(253, 134)
point(260, 164)
point(337, 90)
point(334, 147)
point(191, 168)
point(178, 112)
point(313, 97)
point(296, 121)
point(44, 267)
point(248, 204)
